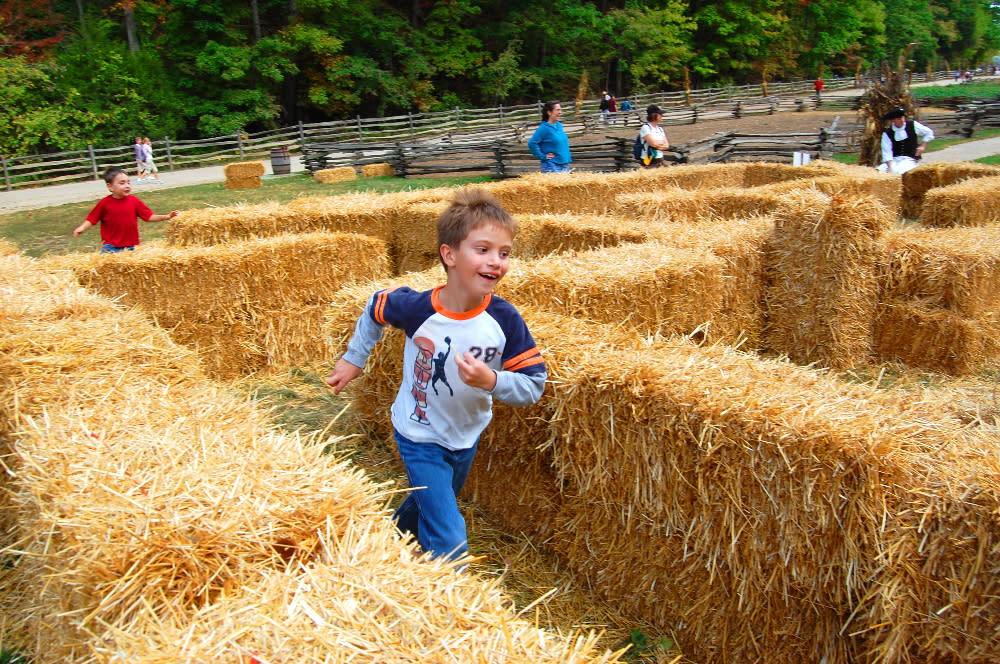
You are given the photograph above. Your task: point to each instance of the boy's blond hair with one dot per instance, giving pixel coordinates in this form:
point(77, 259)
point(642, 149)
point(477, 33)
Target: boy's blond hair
point(471, 208)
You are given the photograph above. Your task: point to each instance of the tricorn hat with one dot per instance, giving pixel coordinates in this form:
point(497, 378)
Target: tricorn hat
point(898, 112)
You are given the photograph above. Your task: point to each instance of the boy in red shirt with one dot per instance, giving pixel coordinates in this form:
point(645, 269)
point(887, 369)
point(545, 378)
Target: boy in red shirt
point(117, 214)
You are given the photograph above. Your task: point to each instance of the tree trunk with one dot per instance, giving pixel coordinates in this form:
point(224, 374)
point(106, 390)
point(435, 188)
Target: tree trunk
point(255, 13)
point(130, 34)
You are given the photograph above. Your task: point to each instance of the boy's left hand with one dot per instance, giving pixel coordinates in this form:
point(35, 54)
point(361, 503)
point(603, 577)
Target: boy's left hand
point(475, 373)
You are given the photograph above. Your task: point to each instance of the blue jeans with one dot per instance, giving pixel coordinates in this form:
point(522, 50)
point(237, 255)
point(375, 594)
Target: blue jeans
point(553, 167)
point(431, 513)
point(112, 249)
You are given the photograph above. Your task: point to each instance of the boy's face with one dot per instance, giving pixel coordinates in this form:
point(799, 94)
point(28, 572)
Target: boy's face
point(480, 261)
point(120, 187)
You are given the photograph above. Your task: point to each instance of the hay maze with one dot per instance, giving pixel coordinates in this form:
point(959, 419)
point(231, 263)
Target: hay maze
point(689, 461)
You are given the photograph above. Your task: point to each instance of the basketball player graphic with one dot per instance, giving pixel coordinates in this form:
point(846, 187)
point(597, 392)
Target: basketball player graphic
point(439, 374)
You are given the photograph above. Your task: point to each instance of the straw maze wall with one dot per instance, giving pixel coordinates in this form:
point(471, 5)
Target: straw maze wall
point(762, 510)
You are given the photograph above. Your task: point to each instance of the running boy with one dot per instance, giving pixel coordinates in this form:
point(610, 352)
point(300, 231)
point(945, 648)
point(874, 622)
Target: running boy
point(437, 430)
point(117, 214)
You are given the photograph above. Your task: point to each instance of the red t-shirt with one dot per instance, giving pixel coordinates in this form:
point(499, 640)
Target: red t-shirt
point(117, 217)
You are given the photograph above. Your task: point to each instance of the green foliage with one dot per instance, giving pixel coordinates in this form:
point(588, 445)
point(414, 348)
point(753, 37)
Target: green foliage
point(213, 66)
point(642, 648)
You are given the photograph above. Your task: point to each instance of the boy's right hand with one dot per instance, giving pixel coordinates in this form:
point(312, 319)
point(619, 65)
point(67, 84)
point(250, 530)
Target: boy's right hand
point(343, 373)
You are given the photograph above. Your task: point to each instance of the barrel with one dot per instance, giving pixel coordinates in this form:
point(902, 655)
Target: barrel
point(281, 162)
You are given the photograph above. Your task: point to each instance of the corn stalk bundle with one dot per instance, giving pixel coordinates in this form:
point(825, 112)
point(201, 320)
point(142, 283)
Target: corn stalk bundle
point(972, 202)
point(918, 181)
point(822, 287)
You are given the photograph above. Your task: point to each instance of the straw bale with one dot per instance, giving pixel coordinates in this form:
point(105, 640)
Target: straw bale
point(695, 176)
point(883, 187)
point(540, 235)
point(244, 169)
point(251, 182)
point(678, 205)
point(822, 286)
point(953, 268)
point(651, 288)
point(973, 202)
point(200, 283)
point(215, 225)
point(741, 245)
point(937, 596)
point(377, 170)
point(936, 339)
point(918, 181)
point(159, 519)
point(363, 602)
point(765, 172)
point(8, 248)
point(338, 174)
point(712, 474)
point(243, 305)
point(515, 451)
point(537, 234)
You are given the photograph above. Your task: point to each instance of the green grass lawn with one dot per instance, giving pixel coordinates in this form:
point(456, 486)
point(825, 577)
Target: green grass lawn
point(50, 230)
point(978, 90)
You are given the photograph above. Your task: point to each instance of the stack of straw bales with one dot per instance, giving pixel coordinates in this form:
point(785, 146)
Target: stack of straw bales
point(243, 174)
point(243, 305)
point(338, 174)
point(940, 306)
point(152, 518)
point(972, 202)
point(822, 283)
point(673, 478)
point(918, 181)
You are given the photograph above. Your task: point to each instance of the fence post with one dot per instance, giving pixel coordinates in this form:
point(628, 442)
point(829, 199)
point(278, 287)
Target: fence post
point(302, 138)
point(93, 161)
point(409, 118)
point(170, 156)
point(501, 114)
point(458, 118)
point(360, 135)
point(6, 175)
point(239, 144)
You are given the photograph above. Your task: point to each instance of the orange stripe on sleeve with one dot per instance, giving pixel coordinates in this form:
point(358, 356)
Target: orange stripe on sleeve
point(380, 301)
point(526, 359)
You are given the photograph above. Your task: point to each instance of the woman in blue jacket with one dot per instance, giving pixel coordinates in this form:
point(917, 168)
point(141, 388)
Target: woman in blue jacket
point(549, 142)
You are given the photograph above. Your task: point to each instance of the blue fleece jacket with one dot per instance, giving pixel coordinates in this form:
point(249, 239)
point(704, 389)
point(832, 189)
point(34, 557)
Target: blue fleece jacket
point(550, 138)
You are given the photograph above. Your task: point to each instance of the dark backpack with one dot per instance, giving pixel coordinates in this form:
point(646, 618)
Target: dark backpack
point(637, 146)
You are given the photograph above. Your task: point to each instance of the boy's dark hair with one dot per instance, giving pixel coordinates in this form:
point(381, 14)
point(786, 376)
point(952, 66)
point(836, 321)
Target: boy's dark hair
point(471, 208)
point(111, 174)
point(547, 108)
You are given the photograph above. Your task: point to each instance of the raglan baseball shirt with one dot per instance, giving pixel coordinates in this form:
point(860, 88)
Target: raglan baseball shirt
point(433, 405)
